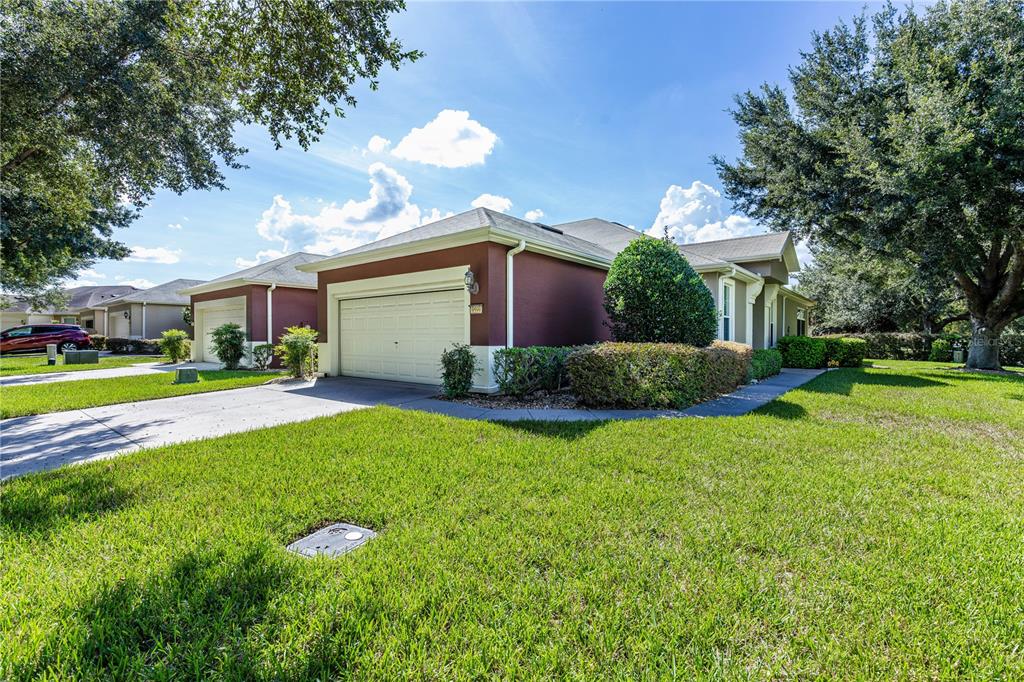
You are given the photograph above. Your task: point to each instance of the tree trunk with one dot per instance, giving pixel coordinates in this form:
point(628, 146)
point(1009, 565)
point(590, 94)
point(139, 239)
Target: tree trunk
point(984, 350)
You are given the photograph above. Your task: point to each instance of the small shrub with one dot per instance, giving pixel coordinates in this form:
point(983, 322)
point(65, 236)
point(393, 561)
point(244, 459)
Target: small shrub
point(942, 351)
point(521, 371)
point(123, 346)
point(261, 356)
point(99, 341)
point(656, 375)
point(765, 362)
point(229, 344)
point(458, 364)
point(297, 351)
point(844, 352)
point(174, 344)
point(802, 351)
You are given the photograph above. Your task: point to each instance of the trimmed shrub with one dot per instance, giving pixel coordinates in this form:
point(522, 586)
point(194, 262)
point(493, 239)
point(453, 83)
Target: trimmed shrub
point(99, 341)
point(229, 344)
point(765, 362)
point(804, 352)
point(652, 295)
point(458, 364)
point(261, 356)
point(655, 375)
point(297, 351)
point(122, 346)
point(942, 351)
point(174, 344)
point(845, 352)
point(521, 371)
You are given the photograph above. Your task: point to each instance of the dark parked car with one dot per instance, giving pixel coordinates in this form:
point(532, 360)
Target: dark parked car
point(35, 337)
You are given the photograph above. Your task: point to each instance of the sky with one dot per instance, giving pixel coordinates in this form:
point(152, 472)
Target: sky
point(549, 111)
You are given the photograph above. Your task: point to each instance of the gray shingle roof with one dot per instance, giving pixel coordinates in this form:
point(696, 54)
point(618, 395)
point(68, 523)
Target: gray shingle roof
point(605, 233)
point(166, 293)
point(281, 270)
point(755, 247)
point(486, 218)
point(80, 298)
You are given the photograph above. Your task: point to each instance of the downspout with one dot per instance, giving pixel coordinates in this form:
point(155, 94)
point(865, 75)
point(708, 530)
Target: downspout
point(143, 319)
point(270, 313)
point(508, 291)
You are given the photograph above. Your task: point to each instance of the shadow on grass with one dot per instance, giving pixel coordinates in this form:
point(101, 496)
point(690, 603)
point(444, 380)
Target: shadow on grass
point(781, 409)
point(566, 430)
point(40, 504)
point(842, 381)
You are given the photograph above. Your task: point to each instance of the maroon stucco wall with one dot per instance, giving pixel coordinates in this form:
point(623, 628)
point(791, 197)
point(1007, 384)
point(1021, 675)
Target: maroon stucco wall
point(292, 307)
point(557, 303)
point(227, 293)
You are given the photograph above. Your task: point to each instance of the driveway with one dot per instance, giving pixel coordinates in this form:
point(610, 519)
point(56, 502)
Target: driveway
point(109, 373)
point(47, 441)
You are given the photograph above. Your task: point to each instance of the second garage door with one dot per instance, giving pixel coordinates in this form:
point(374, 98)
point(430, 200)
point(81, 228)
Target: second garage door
point(214, 318)
point(400, 338)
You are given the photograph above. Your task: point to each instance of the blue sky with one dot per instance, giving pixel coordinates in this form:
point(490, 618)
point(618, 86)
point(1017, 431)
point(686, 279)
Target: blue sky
point(571, 109)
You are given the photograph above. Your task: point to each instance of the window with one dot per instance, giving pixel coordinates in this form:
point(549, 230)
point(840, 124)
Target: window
point(727, 312)
point(69, 320)
point(771, 325)
point(88, 324)
point(19, 331)
point(801, 323)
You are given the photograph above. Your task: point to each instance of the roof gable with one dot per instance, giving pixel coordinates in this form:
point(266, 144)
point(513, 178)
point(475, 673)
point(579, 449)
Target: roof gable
point(166, 293)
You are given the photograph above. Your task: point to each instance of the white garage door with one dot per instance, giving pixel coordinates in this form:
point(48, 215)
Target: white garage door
point(400, 338)
point(120, 326)
point(215, 318)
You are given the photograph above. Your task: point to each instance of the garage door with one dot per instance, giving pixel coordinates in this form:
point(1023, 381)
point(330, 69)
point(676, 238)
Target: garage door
point(215, 318)
point(400, 338)
point(120, 326)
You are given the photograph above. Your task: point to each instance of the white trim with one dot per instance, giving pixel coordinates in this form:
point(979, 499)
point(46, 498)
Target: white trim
point(771, 292)
point(753, 291)
point(723, 283)
point(483, 378)
point(270, 313)
point(510, 292)
point(203, 307)
point(210, 287)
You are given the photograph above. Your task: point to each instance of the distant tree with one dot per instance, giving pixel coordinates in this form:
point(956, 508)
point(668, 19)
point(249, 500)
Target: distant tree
point(904, 138)
point(858, 292)
point(652, 294)
point(106, 102)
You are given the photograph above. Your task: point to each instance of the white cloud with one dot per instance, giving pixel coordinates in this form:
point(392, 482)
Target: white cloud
point(493, 202)
point(159, 254)
point(696, 214)
point(451, 140)
point(378, 144)
point(534, 215)
point(261, 257)
point(175, 226)
point(387, 211)
point(89, 272)
point(139, 283)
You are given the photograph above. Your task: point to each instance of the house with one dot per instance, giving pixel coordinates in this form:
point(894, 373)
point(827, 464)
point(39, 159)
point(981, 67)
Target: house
point(263, 300)
point(85, 307)
point(148, 313)
point(388, 309)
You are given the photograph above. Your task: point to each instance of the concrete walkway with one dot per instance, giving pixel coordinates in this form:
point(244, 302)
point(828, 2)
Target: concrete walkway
point(141, 369)
point(48, 441)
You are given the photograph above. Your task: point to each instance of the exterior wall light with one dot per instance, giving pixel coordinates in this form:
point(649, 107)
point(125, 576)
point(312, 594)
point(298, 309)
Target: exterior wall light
point(472, 286)
point(127, 315)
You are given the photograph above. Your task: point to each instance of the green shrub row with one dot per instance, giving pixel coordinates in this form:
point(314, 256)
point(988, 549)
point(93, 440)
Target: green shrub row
point(917, 346)
point(812, 352)
point(132, 346)
point(99, 341)
point(656, 375)
point(521, 371)
point(765, 362)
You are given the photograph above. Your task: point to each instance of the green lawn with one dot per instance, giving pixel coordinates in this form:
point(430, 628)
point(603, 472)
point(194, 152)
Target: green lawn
point(869, 525)
point(17, 401)
point(36, 364)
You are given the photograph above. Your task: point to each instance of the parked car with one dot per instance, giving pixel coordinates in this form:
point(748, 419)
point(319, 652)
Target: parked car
point(35, 338)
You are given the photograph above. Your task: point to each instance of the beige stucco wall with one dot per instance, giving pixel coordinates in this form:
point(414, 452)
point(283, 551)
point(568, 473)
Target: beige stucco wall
point(160, 318)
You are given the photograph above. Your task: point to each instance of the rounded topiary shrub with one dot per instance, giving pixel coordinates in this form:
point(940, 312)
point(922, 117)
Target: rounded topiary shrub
point(652, 294)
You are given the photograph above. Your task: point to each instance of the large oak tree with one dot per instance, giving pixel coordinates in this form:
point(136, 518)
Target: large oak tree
point(106, 102)
point(904, 137)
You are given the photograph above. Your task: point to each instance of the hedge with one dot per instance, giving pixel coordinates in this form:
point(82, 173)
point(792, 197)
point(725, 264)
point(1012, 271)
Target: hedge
point(918, 346)
point(521, 371)
point(133, 346)
point(845, 352)
point(656, 375)
point(99, 342)
point(765, 362)
point(812, 352)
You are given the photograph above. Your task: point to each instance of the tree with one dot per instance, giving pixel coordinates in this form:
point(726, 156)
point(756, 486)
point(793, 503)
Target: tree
point(858, 292)
point(904, 139)
point(652, 294)
point(104, 103)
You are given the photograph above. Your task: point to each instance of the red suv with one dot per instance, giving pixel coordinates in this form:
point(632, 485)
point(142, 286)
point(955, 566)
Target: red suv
point(35, 337)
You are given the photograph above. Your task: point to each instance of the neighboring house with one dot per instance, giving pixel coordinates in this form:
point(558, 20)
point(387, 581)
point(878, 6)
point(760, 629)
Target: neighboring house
point(388, 309)
point(147, 314)
point(85, 307)
point(263, 300)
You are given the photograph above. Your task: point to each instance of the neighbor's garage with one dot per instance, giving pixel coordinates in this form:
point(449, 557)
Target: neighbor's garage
point(401, 337)
point(213, 314)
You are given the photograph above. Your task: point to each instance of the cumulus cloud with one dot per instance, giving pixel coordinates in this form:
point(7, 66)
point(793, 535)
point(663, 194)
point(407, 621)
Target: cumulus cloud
point(696, 214)
point(534, 215)
point(158, 254)
point(493, 202)
point(175, 226)
point(378, 144)
point(140, 283)
point(385, 212)
point(451, 140)
point(261, 257)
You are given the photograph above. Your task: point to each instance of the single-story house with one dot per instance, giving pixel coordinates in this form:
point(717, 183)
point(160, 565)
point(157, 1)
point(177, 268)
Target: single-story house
point(263, 300)
point(148, 313)
point(389, 308)
point(85, 307)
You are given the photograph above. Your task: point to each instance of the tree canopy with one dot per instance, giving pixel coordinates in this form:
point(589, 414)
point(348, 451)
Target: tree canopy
point(904, 138)
point(104, 103)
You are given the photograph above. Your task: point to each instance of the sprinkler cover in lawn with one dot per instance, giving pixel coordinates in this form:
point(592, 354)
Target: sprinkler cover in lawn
point(334, 540)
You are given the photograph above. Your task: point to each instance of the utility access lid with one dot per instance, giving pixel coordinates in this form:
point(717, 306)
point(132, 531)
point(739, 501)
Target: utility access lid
point(332, 541)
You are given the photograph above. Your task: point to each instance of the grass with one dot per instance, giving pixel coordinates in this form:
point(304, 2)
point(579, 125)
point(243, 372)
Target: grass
point(11, 365)
point(866, 526)
point(17, 401)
